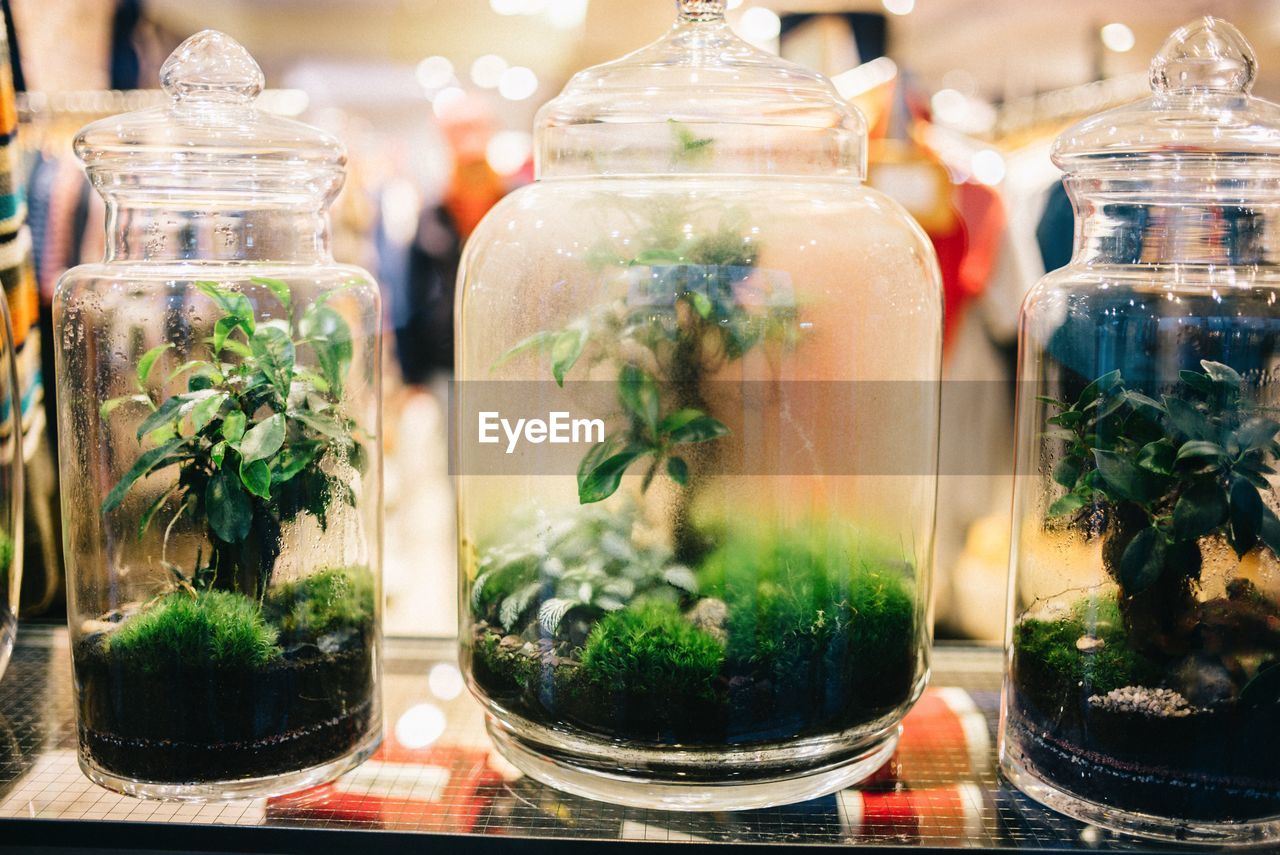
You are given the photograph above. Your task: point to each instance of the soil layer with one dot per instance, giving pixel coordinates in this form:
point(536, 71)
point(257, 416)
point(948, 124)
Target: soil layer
point(184, 723)
point(1221, 765)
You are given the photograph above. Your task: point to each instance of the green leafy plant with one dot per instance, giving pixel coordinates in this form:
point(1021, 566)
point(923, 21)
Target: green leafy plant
point(689, 312)
point(251, 437)
point(1161, 475)
point(196, 628)
point(586, 565)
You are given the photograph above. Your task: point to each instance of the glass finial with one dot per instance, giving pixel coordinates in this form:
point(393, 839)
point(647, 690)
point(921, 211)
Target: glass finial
point(211, 66)
point(700, 10)
point(1208, 55)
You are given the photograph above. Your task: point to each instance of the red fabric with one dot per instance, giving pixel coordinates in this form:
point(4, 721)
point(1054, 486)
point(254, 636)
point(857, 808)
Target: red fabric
point(967, 251)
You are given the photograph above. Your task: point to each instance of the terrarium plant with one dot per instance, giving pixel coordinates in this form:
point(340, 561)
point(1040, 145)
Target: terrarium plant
point(257, 440)
point(695, 629)
point(1174, 663)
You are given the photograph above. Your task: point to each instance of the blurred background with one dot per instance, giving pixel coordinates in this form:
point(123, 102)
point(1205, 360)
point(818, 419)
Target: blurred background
point(435, 100)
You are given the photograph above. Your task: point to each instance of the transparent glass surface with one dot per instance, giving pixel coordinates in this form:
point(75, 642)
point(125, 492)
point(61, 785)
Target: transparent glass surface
point(219, 416)
point(11, 504)
point(715, 594)
point(1143, 686)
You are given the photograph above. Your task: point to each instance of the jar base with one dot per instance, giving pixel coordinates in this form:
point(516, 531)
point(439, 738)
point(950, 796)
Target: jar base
point(243, 788)
point(1034, 786)
point(651, 778)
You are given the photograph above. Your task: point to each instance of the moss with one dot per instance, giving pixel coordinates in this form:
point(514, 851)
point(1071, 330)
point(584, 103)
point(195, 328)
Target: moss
point(1058, 676)
point(330, 600)
point(651, 652)
point(826, 620)
point(210, 628)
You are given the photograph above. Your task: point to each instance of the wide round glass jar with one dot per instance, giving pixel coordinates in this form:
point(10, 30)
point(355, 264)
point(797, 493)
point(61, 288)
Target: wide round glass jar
point(218, 394)
point(696, 437)
point(1143, 690)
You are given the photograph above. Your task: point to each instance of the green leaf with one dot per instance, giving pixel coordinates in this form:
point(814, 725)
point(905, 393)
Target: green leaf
point(701, 428)
point(322, 424)
point(228, 506)
point(1124, 480)
point(1143, 560)
point(700, 302)
point(599, 479)
point(277, 287)
point(1068, 419)
point(1067, 470)
point(232, 303)
point(330, 338)
point(1141, 401)
point(207, 410)
point(1187, 419)
point(223, 329)
point(1098, 388)
point(1264, 689)
point(233, 426)
point(255, 475)
point(1201, 383)
point(1269, 531)
point(1053, 402)
point(108, 407)
point(1257, 433)
point(146, 461)
point(146, 363)
point(678, 469)
point(638, 392)
point(1198, 449)
point(657, 258)
point(169, 411)
point(1068, 504)
point(566, 349)
point(1221, 373)
point(1247, 512)
point(538, 340)
point(1157, 457)
point(218, 453)
point(263, 439)
point(190, 365)
point(1200, 510)
point(274, 352)
point(294, 458)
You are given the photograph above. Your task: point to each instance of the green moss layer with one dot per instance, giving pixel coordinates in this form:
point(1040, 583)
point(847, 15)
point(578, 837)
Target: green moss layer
point(211, 627)
point(328, 601)
point(650, 654)
point(1051, 669)
point(820, 617)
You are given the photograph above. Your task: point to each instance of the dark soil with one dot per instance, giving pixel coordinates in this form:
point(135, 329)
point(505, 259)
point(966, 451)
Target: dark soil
point(531, 679)
point(1219, 765)
point(182, 723)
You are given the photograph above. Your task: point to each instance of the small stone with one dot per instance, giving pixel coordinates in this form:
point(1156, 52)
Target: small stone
point(709, 615)
point(511, 643)
point(1089, 644)
point(1155, 703)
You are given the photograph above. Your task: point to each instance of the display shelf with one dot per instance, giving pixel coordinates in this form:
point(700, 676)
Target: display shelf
point(436, 784)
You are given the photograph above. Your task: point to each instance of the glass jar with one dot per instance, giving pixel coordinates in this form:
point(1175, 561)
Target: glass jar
point(1143, 690)
point(696, 575)
point(219, 405)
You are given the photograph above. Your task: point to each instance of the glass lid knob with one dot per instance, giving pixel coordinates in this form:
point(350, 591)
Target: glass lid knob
point(1209, 55)
point(700, 10)
point(211, 66)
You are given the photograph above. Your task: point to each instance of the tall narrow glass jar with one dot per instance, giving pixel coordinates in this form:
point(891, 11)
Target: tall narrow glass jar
point(218, 393)
point(696, 575)
point(1143, 690)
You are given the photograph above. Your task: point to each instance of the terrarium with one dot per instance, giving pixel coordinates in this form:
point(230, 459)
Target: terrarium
point(696, 420)
point(1143, 690)
point(218, 394)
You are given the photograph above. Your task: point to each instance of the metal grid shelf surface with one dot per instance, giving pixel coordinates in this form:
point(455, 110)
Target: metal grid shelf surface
point(437, 785)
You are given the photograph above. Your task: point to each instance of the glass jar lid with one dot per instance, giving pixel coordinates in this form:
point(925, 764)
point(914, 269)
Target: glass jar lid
point(211, 141)
point(700, 100)
point(1200, 113)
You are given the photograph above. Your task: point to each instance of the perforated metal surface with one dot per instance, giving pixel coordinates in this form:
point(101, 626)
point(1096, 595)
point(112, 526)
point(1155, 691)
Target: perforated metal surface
point(437, 774)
